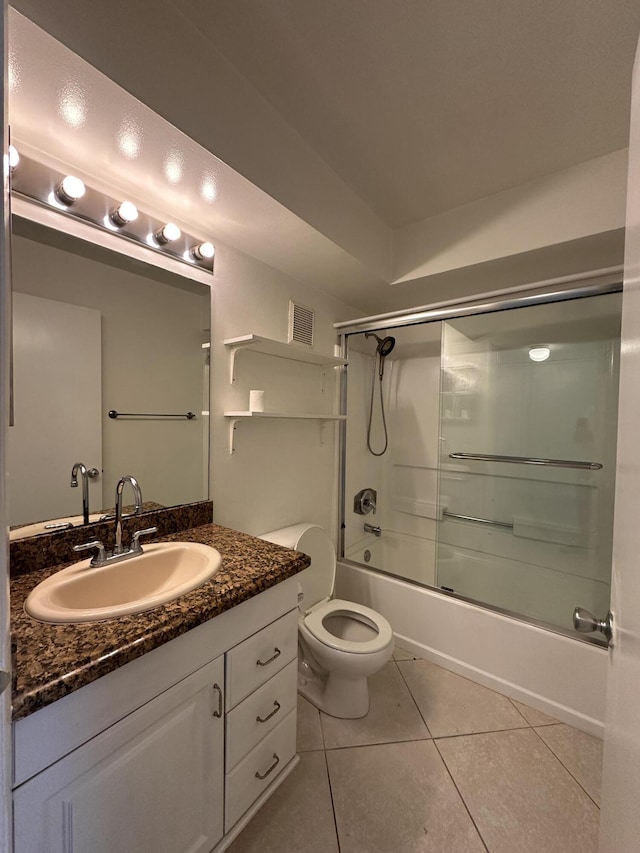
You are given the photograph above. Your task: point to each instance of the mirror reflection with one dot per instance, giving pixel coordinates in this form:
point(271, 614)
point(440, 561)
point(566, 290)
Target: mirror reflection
point(93, 332)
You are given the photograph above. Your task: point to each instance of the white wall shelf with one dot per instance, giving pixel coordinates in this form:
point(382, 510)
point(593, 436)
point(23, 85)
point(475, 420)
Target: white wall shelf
point(239, 416)
point(268, 346)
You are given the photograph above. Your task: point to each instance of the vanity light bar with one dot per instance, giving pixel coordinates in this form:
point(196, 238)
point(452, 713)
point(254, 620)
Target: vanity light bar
point(70, 190)
point(123, 214)
point(169, 233)
point(69, 195)
point(14, 157)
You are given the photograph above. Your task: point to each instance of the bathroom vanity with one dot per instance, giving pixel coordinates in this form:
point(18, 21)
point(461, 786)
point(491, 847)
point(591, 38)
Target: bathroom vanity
point(177, 748)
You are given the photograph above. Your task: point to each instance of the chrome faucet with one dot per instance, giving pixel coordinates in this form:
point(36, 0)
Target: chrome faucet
point(137, 493)
point(373, 528)
point(103, 556)
point(84, 473)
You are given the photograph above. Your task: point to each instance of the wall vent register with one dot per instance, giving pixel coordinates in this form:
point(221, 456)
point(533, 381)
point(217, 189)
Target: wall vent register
point(301, 320)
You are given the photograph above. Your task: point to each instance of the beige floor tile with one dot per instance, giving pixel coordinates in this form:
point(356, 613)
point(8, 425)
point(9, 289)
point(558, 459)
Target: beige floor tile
point(392, 716)
point(402, 654)
point(580, 753)
point(520, 796)
point(309, 729)
point(533, 716)
point(398, 798)
point(297, 818)
point(453, 705)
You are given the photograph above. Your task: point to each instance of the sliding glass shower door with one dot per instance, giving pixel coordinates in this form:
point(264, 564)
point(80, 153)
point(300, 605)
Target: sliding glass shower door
point(528, 407)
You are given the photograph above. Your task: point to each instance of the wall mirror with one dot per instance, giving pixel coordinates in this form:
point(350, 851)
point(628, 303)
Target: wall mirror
point(94, 332)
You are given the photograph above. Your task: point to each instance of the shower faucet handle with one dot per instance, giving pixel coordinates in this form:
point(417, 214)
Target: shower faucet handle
point(365, 502)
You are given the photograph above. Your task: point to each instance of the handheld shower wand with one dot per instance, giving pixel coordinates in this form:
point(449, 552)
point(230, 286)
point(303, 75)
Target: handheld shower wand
point(384, 347)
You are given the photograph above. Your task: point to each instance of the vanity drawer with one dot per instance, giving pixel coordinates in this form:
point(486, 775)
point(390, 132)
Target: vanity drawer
point(260, 713)
point(259, 657)
point(258, 769)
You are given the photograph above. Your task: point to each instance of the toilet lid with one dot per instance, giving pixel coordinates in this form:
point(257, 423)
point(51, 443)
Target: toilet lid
point(314, 623)
point(317, 581)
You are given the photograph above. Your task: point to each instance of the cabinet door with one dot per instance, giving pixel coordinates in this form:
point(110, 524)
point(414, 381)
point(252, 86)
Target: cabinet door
point(152, 782)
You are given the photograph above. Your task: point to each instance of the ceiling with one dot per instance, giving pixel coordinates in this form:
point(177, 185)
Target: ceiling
point(424, 106)
point(340, 126)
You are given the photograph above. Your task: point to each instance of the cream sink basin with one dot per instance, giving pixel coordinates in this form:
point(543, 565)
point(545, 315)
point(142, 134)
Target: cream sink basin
point(163, 572)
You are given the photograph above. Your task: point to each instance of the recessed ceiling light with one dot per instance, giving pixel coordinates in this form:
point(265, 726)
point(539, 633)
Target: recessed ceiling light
point(539, 353)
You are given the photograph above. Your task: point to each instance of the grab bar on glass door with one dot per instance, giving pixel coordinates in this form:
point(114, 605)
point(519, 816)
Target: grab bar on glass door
point(479, 520)
point(528, 460)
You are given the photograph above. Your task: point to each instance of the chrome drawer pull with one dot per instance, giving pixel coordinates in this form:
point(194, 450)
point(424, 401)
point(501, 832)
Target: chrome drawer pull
point(276, 654)
point(218, 690)
point(276, 761)
point(272, 714)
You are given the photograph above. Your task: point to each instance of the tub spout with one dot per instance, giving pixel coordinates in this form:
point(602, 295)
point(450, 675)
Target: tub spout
point(373, 528)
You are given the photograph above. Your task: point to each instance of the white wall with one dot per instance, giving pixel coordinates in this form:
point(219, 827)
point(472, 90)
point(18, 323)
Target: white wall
point(280, 472)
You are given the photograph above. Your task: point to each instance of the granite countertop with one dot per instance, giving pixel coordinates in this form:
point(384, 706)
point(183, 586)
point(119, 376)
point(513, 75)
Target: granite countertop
point(51, 661)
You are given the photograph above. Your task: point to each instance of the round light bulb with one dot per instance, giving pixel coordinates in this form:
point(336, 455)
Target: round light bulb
point(14, 157)
point(168, 233)
point(69, 190)
point(539, 353)
point(123, 214)
point(204, 251)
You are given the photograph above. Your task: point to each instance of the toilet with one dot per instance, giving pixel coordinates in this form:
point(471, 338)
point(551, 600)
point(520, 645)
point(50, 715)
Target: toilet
point(340, 643)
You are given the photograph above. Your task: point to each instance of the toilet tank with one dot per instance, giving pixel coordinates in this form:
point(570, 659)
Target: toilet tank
point(315, 583)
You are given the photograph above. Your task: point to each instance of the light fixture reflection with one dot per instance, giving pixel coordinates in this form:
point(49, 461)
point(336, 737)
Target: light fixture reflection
point(123, 214)
point(69, 190)
point(130, 139)
point(167, 234)
point(72, 104)
point(539, 353)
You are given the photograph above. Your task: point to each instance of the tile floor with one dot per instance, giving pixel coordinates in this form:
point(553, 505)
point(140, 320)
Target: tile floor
point(439, 765)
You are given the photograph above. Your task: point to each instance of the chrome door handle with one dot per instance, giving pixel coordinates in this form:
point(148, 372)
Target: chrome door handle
point(586, 623)
point(275, 655)
point(217, 689)
point(271, 769)
point(272, 714)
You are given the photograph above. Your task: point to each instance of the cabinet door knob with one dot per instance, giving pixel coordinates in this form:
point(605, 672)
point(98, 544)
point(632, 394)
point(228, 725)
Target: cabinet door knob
point(264, 775)
point(272, 714)
point(217, 689)
point(275, 655)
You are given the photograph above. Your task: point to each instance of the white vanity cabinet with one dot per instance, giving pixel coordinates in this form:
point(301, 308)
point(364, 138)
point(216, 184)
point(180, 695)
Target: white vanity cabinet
point(151, 782)
point(172, 752)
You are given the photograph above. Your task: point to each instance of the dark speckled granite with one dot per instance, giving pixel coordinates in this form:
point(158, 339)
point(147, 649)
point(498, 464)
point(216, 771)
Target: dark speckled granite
point(51, 549)
point(51, 661)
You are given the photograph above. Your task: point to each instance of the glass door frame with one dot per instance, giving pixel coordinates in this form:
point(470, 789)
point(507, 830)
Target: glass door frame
point(575, 287)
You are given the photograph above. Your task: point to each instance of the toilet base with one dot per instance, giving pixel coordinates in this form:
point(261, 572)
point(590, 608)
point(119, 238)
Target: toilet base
point(345, 697)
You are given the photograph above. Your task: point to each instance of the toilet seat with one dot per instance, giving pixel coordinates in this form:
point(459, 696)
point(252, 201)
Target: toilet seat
point(313, 621)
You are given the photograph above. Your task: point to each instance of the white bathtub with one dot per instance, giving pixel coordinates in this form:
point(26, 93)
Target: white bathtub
point(559, 675)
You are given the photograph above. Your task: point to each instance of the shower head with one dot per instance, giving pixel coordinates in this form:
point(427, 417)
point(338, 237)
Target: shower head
point(385, 345)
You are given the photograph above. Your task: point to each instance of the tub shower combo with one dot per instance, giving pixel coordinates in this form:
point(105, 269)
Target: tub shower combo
point(479, 452)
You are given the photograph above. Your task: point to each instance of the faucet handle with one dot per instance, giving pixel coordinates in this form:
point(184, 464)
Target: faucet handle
point(135, 542)
point(101, 556)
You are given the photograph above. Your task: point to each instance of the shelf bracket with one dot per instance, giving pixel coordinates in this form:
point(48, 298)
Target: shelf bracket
point(233, 352)
point(232, 430)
